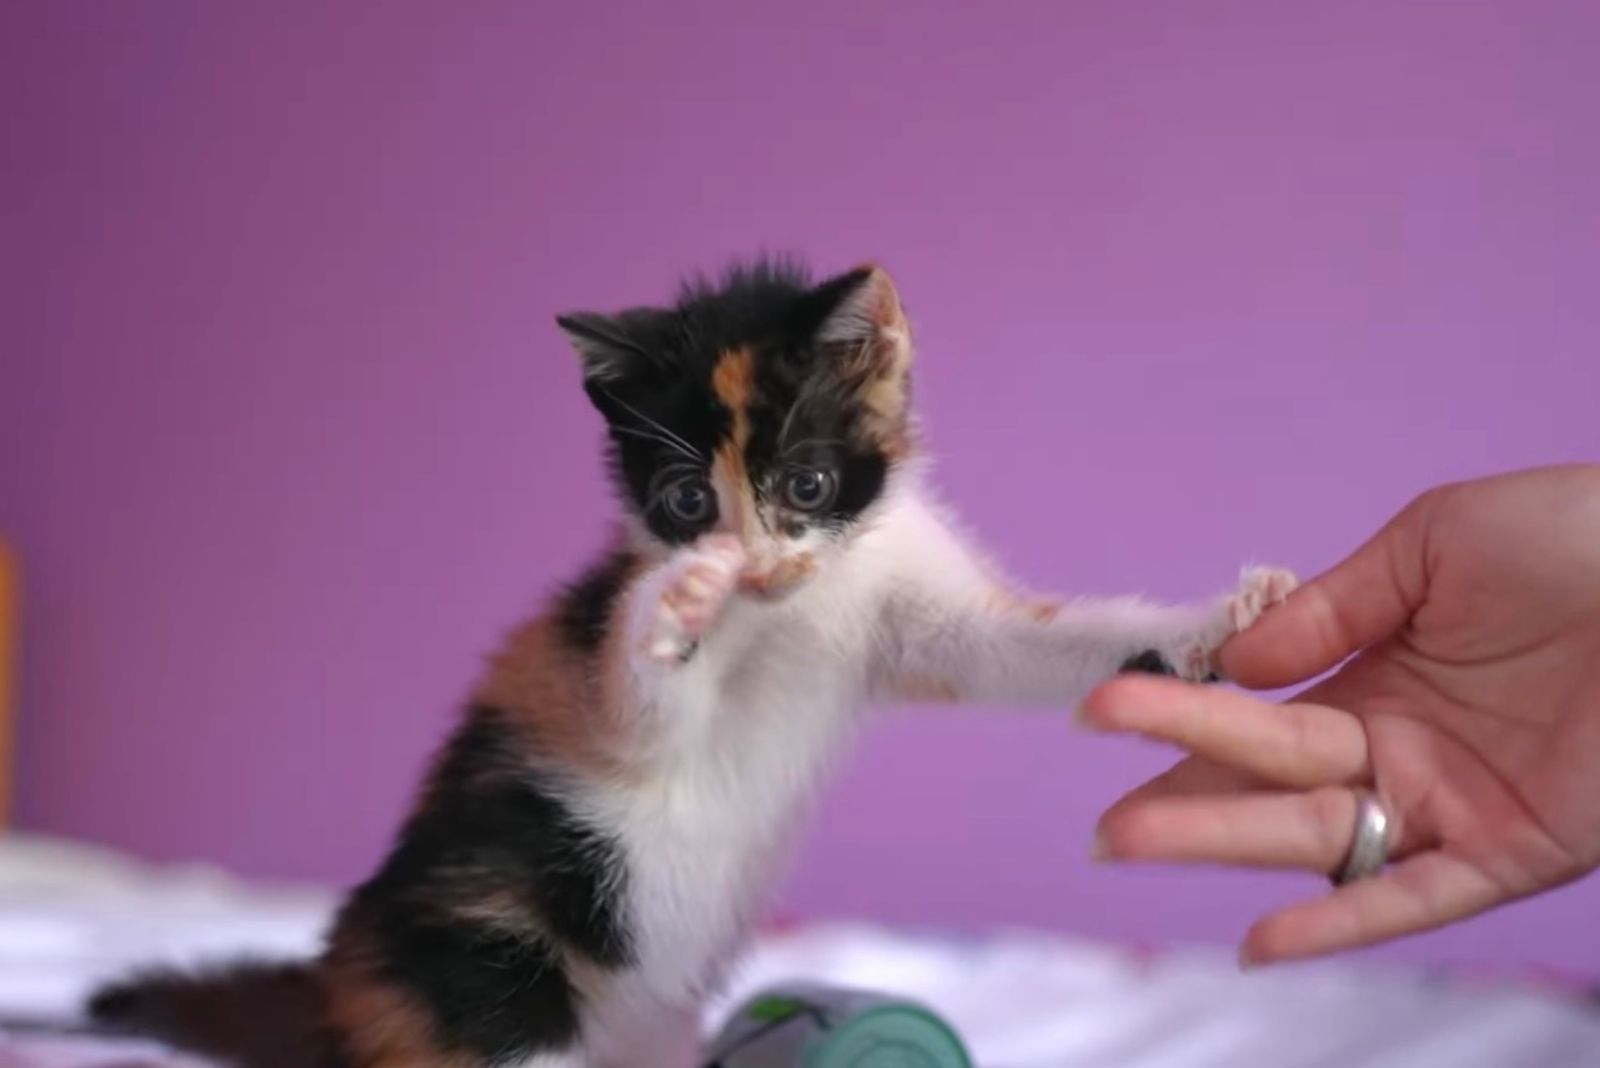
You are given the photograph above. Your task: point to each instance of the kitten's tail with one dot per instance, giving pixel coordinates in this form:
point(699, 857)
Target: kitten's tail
point(254, 1015)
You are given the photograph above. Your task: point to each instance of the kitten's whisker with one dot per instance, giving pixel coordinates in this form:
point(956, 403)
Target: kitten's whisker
point(654, 500)
point(797, 446)
point(668, 442)
point(653, 425)
point(788, 417)
point(664, 480)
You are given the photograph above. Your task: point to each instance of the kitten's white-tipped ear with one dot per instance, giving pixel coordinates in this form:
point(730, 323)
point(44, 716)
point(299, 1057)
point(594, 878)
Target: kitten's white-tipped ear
point(865, 311)
point(603, 344)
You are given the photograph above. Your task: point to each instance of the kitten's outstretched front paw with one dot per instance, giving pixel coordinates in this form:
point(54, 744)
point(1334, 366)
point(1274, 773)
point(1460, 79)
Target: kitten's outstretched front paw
point(702, 578)
point(1259, 589)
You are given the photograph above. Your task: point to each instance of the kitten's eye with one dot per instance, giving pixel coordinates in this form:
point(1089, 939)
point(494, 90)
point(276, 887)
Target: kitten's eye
point(809, 491)
point(690, 501)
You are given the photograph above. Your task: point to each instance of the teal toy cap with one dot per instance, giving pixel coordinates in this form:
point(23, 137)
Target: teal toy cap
point(804, 1026)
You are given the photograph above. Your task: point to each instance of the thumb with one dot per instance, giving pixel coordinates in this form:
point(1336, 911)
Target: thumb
point(1362, 600)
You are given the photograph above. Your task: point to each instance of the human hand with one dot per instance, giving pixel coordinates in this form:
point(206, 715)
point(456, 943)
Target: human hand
point(1472, 709)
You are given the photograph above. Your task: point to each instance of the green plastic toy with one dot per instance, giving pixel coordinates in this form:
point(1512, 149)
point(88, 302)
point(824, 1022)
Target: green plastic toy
point(805, 1026)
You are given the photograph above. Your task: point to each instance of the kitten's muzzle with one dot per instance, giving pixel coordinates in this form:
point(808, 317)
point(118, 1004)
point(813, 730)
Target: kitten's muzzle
point(777, 578)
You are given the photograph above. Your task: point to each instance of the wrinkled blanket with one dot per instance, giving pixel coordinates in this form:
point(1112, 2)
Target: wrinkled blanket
point(70, 916)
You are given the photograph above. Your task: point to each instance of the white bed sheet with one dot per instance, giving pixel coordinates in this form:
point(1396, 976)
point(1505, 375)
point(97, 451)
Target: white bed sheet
point(71, 915)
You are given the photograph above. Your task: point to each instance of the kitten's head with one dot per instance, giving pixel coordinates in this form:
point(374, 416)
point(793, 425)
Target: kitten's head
point(764, 406)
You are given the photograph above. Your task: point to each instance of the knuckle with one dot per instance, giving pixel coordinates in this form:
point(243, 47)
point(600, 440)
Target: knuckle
point(1332, 819)
point(1298, 740)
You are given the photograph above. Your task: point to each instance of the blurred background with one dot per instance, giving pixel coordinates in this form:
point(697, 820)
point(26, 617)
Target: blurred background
point(288, 438)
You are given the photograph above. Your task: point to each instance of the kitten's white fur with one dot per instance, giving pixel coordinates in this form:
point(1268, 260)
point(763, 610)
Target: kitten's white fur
point(741, 701)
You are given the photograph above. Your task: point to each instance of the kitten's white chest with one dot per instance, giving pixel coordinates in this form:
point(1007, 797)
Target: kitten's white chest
point(756, 723)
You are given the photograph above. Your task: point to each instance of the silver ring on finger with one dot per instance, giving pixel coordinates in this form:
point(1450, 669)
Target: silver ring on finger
point(1370, 843)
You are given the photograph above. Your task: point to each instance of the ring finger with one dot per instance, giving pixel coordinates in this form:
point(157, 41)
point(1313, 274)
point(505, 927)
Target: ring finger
point(1310, 830)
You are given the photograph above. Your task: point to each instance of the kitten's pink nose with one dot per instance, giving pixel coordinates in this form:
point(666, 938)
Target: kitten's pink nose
point(760, 581)
point(775, 577)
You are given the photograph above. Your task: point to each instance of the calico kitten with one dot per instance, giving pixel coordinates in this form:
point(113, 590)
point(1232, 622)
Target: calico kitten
point(598, 836)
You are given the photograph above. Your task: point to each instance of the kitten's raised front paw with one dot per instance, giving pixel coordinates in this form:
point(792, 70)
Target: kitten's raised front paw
point(702, 578)
point(1259, 589)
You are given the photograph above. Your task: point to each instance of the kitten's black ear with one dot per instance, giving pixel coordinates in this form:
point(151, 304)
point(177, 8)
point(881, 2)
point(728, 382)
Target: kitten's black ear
point(606, 345)
point(860, 312)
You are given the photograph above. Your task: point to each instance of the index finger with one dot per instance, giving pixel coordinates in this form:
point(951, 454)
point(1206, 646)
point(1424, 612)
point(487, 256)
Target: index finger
point(1360, 601)
point(1296, 744)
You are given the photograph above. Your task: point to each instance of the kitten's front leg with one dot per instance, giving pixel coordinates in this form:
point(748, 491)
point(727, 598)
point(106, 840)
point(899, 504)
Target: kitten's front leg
point(960, 637)
point(677, 606)
point(1193, 655)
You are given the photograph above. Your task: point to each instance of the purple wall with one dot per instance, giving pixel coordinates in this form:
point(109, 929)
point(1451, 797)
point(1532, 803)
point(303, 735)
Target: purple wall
point(288, 437)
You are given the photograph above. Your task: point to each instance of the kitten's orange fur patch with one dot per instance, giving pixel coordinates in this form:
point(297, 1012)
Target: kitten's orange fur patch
point(792, 569)
point(732, 479)
point(927, 690)
point(733, 381)
point(383, 1026)
point(570, 709)
point(881, 366)
point(1037, 609)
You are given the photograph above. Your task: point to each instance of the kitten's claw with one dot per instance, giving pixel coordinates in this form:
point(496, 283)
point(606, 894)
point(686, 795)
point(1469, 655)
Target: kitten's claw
point(703, 577)
point(1259, 589)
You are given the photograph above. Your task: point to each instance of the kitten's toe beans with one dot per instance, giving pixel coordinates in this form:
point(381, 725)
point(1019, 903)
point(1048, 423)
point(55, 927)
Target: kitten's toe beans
point(695, 595)
point(694, 616)
point(1243, 608)
point(705, 585)
point(698, 584)
point(1274, 583)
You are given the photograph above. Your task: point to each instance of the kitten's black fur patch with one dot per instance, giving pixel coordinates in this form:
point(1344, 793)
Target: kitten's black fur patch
point(584, 611)
point(492, 815)
point(259, 1015)
point(494, 828)
point(1149, 662)
point(491, 829)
